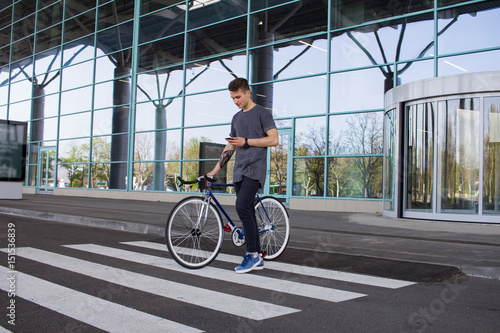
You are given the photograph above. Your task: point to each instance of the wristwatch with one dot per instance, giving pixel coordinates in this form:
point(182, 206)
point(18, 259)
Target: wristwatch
point(246, 143)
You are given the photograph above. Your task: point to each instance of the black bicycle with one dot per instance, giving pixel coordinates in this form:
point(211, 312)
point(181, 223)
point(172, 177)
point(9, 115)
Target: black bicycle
point(195, 232)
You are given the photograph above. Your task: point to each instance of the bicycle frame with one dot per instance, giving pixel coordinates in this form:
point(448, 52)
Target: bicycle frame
point(209, 195)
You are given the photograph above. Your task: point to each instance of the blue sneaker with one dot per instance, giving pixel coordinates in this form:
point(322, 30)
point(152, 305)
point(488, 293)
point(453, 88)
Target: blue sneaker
point(250, 263)
point(260, 266)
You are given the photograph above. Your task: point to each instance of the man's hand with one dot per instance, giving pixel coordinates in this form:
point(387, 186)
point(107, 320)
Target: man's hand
point(237, 141)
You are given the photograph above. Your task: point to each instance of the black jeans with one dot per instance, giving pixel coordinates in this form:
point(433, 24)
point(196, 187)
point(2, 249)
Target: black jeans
point(245, 198)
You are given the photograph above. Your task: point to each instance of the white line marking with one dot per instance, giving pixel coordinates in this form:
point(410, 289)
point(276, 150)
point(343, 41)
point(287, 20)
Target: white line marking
point(275, 285)
point(304, 270)
point(89, 309)
point(213, 300)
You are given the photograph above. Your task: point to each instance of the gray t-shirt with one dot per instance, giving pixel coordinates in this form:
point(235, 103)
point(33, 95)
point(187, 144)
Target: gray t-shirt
point(252, 161)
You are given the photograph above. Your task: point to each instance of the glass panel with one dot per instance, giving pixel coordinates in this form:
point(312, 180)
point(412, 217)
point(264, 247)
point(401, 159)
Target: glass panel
point(148, 6)
point(49, 16)
point(350, 13)
point(284, 22)
point(23, 8)
point(302, 58)
point(159, 85)
point(144, 176)
point(116, 12)
point(471, 25)
point(47, 128)
point(76, 175)
point(413, 71)
point(104, 69)
point(172, 171)
point(103, 95)
point(50, 83)
point(157, 146)
point(47, 170)
point(396, 40)
point(102, 122)
point(145, 180)
point(220, 38)
point(79, 26)
point(289, 97)
point(99, 174)
point(74, 151)
point(263, 4)
point(308, 177)
point(21, 70)
point(20, 91)
point(150, 117)
point(355, 177)
point(48, 39)
point(213, 11)
point(279, 165)
point(310, 136)
point(163, 53)
point(78, 51)
point(33, 174)
point(214, 74)
point(458, 151)
point(75, 126)
point(211, 108)
point(116, 39)
point(443, 3)
point(194, 136)
point(368, 83)
point(101, 149)
point(73, 7)
point(420, 156)
point(491, 182)
point(5, 17)
point(389, 158)
point(22, 49)
point(190, 171)
point(356, 134)
point(5, 33)
point(76, 100)
point(24, 27)
point(20, 111)
point(78, 75)
point(476, 62)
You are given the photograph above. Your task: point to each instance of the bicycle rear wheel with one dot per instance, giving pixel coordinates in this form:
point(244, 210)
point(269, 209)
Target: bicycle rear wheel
point(274, 226)
point(194, 233)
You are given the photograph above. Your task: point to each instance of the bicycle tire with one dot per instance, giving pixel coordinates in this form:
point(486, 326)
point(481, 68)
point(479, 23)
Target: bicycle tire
point(192, 242)
point(274, 220)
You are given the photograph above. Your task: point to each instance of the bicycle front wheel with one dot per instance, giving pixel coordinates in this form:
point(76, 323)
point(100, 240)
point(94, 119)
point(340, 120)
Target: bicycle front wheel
point(194, 232)
point(274, 226)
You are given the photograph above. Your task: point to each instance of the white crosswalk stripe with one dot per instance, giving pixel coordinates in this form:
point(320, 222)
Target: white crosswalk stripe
point(295, 288)
point(89, 309)
point(303, 270)
point(178, 291)
point(119, 318)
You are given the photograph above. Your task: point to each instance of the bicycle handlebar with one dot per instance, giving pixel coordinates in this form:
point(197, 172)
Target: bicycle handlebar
point(190, 182)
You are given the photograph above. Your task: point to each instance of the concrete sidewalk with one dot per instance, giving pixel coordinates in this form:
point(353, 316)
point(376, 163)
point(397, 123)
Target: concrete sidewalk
point(371, 242)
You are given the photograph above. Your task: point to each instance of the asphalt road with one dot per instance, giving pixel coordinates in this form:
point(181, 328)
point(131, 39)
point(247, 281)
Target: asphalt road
point(70, 278)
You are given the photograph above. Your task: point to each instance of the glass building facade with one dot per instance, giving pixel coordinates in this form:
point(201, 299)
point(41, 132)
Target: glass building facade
point(127, 95)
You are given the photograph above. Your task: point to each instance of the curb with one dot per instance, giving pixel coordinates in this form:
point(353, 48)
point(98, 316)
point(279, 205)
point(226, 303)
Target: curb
point(140, 228)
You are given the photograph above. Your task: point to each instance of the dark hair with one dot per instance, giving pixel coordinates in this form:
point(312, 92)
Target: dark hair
point(239, 83)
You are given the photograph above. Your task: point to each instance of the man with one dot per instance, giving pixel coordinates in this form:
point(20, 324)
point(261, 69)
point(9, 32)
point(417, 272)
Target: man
point(252, 131)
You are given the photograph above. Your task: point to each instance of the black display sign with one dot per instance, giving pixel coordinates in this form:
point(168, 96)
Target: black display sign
point(13, 137)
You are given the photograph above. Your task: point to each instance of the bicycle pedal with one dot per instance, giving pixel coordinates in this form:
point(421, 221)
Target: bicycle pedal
point(263, 254)
point(227, 227)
